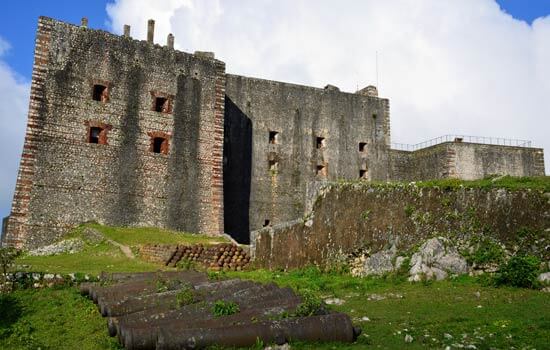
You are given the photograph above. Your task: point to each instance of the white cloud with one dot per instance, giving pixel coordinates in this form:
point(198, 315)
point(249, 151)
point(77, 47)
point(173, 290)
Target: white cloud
point(14, 99)
point(447, 66)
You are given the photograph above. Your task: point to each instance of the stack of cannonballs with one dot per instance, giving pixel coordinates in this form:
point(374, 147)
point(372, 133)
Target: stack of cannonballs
point(219, 257)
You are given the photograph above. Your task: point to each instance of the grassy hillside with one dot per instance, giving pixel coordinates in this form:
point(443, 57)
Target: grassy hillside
point(104, 256)
point(460, 313)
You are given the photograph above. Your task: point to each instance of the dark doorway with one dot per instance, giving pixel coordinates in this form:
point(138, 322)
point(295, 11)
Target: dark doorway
point(237, 167)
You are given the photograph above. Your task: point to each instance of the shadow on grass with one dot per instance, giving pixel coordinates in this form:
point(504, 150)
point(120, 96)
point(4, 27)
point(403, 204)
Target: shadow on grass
point(11, 311)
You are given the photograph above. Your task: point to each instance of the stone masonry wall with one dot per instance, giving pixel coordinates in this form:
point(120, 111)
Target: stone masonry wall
point(348, 218)
point(467, 161)
point(65, 180)
point(268, 181)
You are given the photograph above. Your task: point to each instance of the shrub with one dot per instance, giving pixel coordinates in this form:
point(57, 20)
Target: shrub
point(310, 304)
point(7, 260)
point(225, 308)
point(488, 251)
point(519, 271)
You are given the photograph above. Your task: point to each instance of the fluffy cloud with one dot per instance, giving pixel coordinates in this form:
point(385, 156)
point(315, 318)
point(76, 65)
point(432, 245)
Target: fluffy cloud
point(14, 97)
point(463, 67)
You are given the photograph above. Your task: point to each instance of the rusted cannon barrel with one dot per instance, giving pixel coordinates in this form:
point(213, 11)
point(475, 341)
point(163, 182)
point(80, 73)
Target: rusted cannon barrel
point(167, 299)
point(144, 336)
point(116, 277)
point(333, 327)
point(266, 298)
point(255, 294)
point(140, 288)
point(132, 287)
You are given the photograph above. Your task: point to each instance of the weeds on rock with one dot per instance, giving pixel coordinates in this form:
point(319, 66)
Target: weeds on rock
point(184, 297)
point(225, 308)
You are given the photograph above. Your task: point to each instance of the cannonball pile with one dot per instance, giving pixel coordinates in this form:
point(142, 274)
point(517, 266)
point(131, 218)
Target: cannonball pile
point(219, 257)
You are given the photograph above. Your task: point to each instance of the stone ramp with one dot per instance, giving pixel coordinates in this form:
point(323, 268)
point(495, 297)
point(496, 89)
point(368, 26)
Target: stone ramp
point(186, 310)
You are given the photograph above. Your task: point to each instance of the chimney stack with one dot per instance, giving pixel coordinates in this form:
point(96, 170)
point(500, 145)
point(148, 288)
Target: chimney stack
point(84, 22)
point(126, 31)
point(150, 30)
point(170, 41)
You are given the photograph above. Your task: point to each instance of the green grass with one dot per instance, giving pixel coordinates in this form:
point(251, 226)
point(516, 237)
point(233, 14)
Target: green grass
point(537, 183)
point(51, 319)
point(133, 236)
point(540, 183)
point(96, 258)
point(470, 312)
point(508, 317)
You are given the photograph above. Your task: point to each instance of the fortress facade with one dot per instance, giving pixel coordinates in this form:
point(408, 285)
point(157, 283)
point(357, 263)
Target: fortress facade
point(128, 132)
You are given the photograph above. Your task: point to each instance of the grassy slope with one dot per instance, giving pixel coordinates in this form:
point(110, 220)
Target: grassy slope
point(538, 183)
point(106, 257)
point(508, 317)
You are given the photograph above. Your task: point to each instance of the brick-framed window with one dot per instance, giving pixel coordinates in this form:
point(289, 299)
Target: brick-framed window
point(159, 142)
point(96, 132)
point(101, 90)
point(161, 102)
point(321, 170)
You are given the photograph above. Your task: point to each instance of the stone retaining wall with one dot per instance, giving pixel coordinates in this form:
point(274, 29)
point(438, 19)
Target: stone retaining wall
point(359, 216)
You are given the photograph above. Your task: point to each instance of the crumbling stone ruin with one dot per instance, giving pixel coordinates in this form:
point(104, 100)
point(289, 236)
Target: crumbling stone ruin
point(129, 132)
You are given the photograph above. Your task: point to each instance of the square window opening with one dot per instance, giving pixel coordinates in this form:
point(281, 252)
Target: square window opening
point(362, 146)
point(320, 142)
point(321, 170)
point(100, 93)
point(159, 145)
point(363, 174)
point(267, 223)
point(374, 116)
point(95, 134)
point(161, 104)
point(273, 137)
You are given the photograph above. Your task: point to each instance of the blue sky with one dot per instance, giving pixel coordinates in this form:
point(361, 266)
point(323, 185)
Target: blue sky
point(447, 66)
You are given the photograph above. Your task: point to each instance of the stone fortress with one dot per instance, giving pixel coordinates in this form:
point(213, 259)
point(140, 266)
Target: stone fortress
point(129, 132)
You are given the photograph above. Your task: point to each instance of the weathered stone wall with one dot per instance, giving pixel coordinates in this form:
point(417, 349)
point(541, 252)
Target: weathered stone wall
point(270, 181)
point(65, 180)
point(349, 217)
point(466, 161)
point(475, 161)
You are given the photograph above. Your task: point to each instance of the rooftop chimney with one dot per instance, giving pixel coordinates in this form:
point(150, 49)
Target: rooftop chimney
point(126, 30)
point(170, 41)
point(84, 22)
point(150, 30)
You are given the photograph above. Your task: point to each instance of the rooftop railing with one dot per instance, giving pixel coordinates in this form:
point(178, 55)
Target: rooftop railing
point(462, 138)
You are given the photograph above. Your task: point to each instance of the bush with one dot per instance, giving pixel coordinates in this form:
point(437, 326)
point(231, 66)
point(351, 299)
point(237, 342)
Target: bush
point(7, 260)
point(310, 305)
point(488, 251)
point(185, 297)
point(519, 271)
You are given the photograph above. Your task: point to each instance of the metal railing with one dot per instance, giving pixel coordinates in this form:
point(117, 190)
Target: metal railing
point(462, 138)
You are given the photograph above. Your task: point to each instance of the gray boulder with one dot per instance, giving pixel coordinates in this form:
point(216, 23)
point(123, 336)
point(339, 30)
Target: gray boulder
point(544, 277)
point(379, 263)
point(435, 259)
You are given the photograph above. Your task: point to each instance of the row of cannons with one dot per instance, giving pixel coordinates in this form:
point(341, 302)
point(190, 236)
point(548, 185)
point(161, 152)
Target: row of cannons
point(187, 310)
